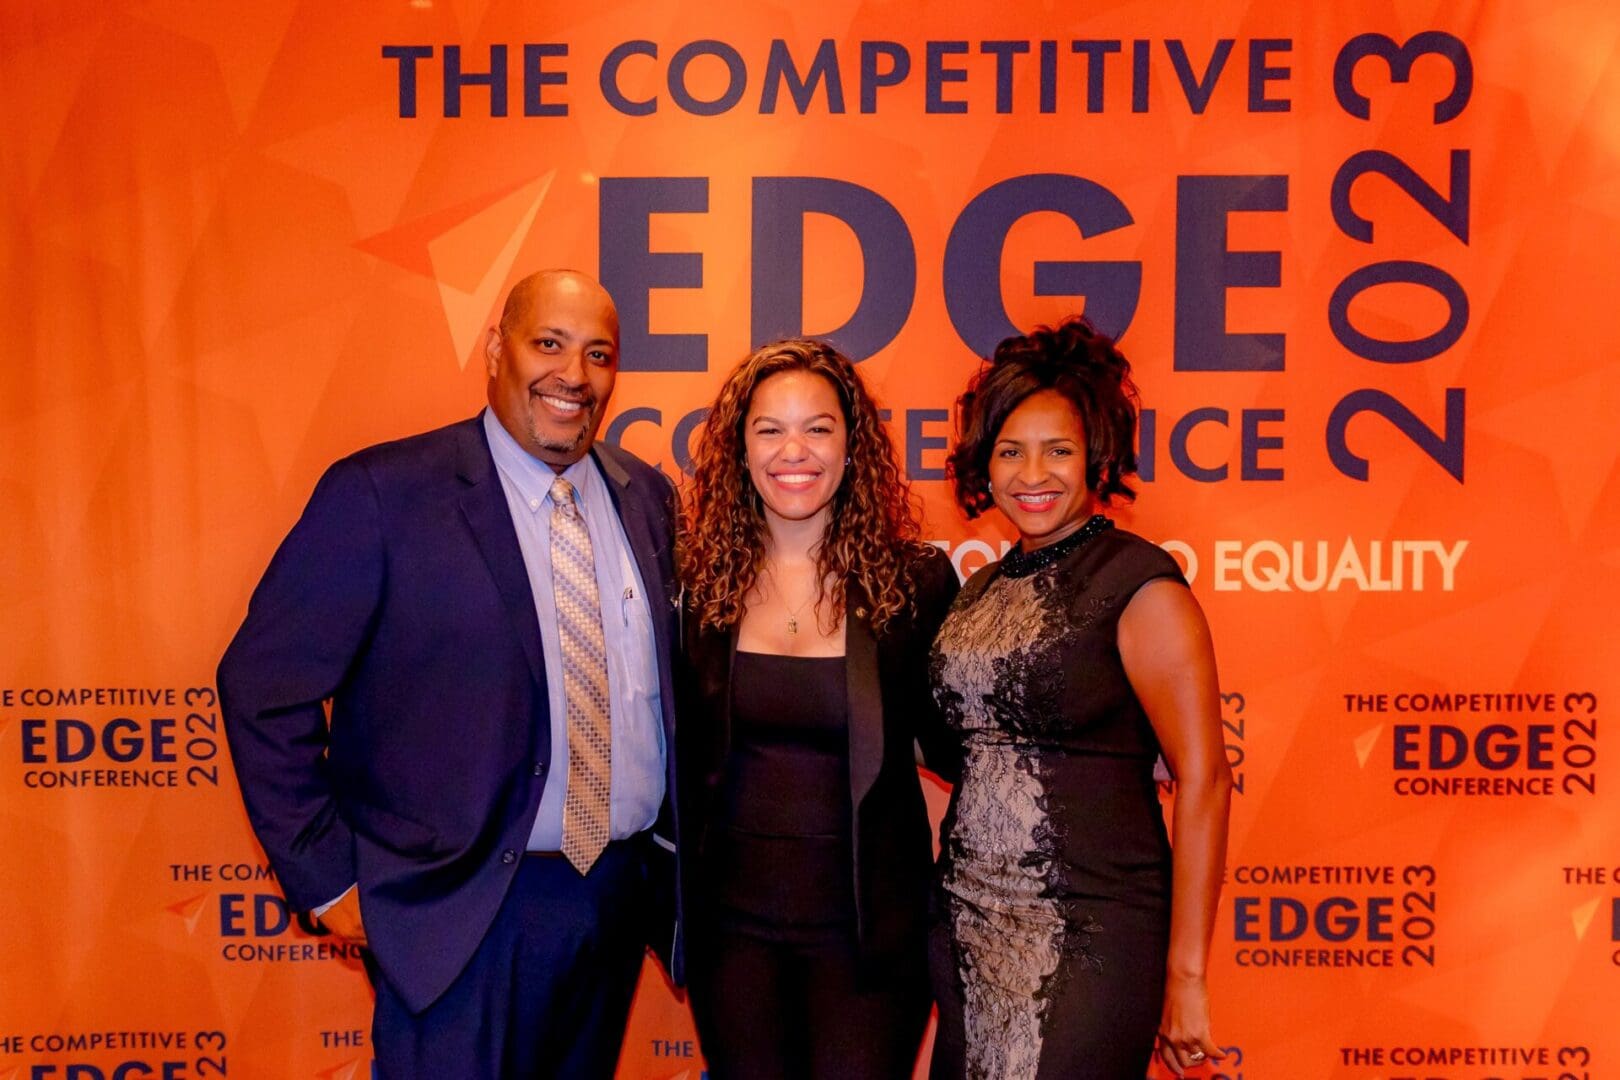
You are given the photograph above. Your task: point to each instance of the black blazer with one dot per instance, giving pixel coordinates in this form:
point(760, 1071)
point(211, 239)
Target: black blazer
point(890, 705)
point(402, 596)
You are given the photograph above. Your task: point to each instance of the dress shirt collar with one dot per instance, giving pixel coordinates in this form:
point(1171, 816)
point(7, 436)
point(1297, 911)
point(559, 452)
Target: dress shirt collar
point(531, 476)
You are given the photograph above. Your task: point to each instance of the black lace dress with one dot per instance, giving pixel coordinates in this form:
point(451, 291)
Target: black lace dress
point(1052, 911)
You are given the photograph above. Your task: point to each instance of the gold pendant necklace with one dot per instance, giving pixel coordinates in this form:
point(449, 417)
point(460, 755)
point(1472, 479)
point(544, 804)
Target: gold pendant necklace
point(793, 612)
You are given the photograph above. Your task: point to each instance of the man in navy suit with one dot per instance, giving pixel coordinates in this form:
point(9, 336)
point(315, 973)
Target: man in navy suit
point(489, 608)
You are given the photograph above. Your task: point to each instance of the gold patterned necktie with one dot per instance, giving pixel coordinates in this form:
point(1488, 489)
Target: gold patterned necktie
point(587, 807)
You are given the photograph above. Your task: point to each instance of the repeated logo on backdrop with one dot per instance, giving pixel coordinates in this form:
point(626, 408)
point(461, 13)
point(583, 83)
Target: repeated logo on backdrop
point(1334, 916)
point(1490, 744)
point(117, 1055)
point(238, 906)
point(89, 738)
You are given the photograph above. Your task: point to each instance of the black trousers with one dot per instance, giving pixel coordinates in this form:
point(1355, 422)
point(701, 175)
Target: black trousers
point(548, 992)
point(783, 1010)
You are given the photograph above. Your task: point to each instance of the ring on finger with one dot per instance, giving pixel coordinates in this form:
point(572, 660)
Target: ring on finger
point(1195, 1055)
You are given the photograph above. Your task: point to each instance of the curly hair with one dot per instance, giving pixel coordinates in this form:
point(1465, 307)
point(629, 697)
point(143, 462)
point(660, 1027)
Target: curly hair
point(872, 532)
point(1079, 363)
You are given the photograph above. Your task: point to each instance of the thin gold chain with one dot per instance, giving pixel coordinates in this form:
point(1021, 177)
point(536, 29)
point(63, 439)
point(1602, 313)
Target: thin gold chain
point(793, 612)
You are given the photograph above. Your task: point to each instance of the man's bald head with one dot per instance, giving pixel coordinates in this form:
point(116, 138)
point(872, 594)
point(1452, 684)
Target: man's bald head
point(543, 283)
point(552, 362)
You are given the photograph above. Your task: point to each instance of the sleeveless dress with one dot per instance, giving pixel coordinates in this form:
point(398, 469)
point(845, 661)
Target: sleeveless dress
point(1052, 907)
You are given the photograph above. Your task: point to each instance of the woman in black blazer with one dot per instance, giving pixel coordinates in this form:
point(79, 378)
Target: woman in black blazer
point(810, 608)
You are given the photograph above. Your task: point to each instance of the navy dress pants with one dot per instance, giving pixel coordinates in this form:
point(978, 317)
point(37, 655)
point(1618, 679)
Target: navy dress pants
point(548, 992)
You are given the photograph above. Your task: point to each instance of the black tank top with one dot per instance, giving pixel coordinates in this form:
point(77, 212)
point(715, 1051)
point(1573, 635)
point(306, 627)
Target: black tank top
point(780, 856)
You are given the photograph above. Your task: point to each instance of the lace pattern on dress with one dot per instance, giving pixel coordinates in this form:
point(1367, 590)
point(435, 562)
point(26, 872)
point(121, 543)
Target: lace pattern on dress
point(1002, 877)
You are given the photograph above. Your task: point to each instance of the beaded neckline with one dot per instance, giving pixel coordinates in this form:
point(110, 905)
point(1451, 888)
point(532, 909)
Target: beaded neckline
point(1016, 563)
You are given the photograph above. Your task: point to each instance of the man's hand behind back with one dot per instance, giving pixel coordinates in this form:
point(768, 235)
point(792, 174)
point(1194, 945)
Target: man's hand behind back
point(343, 919)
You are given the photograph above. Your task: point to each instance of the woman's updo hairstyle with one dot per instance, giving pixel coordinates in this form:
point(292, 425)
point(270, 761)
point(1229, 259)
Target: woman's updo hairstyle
point(1079, 363)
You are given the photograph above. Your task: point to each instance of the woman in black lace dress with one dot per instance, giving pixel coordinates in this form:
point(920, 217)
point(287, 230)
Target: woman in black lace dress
point(1066, 936)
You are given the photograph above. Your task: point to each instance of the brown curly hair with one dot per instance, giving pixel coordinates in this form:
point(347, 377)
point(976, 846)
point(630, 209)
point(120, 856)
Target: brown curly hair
point(1079, 363)
point(872, 532)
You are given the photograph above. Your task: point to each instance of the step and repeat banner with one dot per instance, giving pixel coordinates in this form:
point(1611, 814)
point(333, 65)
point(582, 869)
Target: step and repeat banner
point(1363, 258)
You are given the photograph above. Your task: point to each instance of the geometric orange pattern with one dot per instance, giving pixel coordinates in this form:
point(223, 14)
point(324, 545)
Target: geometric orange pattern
point(230, 261)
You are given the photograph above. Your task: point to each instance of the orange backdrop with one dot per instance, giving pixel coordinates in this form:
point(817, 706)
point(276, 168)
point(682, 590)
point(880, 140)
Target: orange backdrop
point(1364, 261)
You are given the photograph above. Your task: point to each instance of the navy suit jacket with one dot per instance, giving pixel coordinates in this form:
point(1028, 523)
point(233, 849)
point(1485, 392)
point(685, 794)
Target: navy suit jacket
point(401, 595)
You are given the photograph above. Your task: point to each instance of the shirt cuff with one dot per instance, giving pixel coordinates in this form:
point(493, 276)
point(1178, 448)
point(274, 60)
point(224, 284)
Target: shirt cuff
point(330, 904)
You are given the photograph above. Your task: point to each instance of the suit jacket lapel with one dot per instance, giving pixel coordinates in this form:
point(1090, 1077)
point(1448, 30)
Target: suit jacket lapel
point(643, 546)
point(865, 697)
point(706, 734)
point(723, 657)
point(645, 549)
point(483, 504)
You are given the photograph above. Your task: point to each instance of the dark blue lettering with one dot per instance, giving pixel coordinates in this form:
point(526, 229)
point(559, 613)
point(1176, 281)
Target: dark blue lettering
point(407, 55)
point(1538, 746)
point(1004, 51)
point(1399, 59)
point(1261, 73)
point(1404, 272)
point(917, 442)
point(163, 739)
point(973, 251)
point(640, 414)
point(682, 443)
point(1379, 918)
point(937, 75)
point(779, 68)
point(1245, 918)
point(1289, 918)
point(535, 77)
point(1198, 90)
point(1206, 268)
point(872, 78)
point(1452, 212)
point(1049, 76)
point(1096, 57)
point(1446, 451)
point(1448, 746)
point(1147, 450)
point(737, 73)
point(66, 752)
point(1254, 442)
point(609, 78)
point(1141, 60)
point(780, 203)
point(455, 79)
point(270, 915)
point(1178, 445)
point(33, 742)
point(232, 913)
point(1406, 746)
point(1337, 929)
point(630, 269)
point(1496, 746)
point(121, 740)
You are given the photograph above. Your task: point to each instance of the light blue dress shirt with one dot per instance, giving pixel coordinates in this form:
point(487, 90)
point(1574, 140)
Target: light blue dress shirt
point(637, 783)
